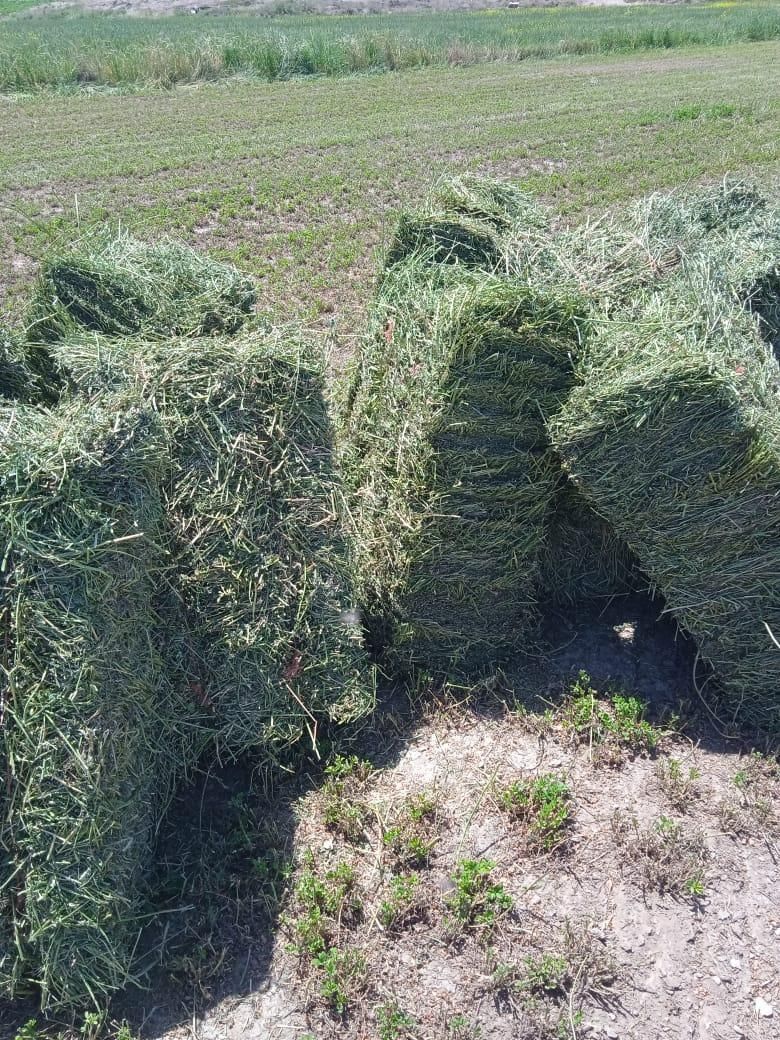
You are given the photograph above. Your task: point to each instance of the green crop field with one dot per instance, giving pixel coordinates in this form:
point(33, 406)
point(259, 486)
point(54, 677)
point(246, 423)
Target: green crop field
point(116, 51)
point(298, 182)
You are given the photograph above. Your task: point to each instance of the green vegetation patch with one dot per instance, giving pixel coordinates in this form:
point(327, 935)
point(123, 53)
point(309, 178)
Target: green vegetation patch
point(543, 806)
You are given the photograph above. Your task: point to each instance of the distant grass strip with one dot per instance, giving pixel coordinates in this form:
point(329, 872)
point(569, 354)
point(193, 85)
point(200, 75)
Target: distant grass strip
point(103, 50)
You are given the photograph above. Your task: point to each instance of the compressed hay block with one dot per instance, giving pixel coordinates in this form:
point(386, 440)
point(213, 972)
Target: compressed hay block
point(497, 204)
point(252, 504)
point(444, 453)
point(117, 285)
point(94, 733)
point(446, 239)
point(468, 221)
point(14, 376)
point(674, 436)
point(581, 557)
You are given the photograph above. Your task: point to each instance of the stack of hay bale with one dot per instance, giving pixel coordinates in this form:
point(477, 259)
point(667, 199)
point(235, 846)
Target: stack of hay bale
point(251, 502)
point(673, 434)
point(173, 585)
point(443, 443)
point(95, 732)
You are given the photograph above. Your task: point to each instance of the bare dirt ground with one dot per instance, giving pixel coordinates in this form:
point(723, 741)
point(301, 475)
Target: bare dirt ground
point(652, 914)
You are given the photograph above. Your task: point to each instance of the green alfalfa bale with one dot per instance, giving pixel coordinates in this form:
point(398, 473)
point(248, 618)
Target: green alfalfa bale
point(497, 204)
point(581, 557)
point(14, 376)
point(112, 283)
point(674, 436)
point(448, 238)
point(95, 735)
point(469, 221)
point(252, 503)
point(655, 239)
point(444, 452)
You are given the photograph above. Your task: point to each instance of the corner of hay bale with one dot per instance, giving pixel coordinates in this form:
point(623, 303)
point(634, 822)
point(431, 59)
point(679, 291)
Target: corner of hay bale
point(112, 283)
point(675, 437)
point(252, 502)
point(446, 459)
point(95, 733)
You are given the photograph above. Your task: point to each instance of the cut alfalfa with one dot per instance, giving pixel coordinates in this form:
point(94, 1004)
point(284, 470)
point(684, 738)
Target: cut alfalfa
point(581, 557)
point(674, 436)
point(655, 239)
point(444, 453)
point(112, 283)
point(94, 733)
point(467, 221)
point(498, 204)
point(14, 376)
point(252, 502)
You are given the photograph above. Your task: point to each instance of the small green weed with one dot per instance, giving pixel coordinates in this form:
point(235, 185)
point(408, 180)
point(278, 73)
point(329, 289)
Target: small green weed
point(344, 811)
point(459, 1027)
point(613, 726)
point(323, 902)
point(477, 900)
point(343, 977)
point(29, 1031)
point(401, 904)
point(393, 1023)
point(757, 783)
point(412, 836)
point(680, 785)
point(546, 974)
point(544, 806)
point(668, 859)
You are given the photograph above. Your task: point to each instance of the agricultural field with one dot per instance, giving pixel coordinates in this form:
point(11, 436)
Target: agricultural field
point(372, 667)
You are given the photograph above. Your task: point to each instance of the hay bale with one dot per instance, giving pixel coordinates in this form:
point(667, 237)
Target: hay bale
point(581, 557)
point(94, 734)
point(114, 284)
point(674, 435)
point(449, 239)
point(252, 502)
point(445, 456)
point(497, 204)
point(14, 376)
point(469, 221)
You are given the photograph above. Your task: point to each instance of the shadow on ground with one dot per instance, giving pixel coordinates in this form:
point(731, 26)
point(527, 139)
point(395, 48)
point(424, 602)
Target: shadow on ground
point(225, 853)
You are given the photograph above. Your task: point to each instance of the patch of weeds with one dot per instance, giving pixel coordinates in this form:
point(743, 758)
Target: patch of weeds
point(550, 986)
point(412, 835)
point(667, 858)
point(477, 900)
point(680, 785)
point(345, 812)
point(543, 806)
point(323, 902)
point(29, 1031)
point(393, 1023)
point(612, 725)
point(546, 975)
point(757, 788)
point(401, 905)
point(459, 1027)
point(344, 977)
